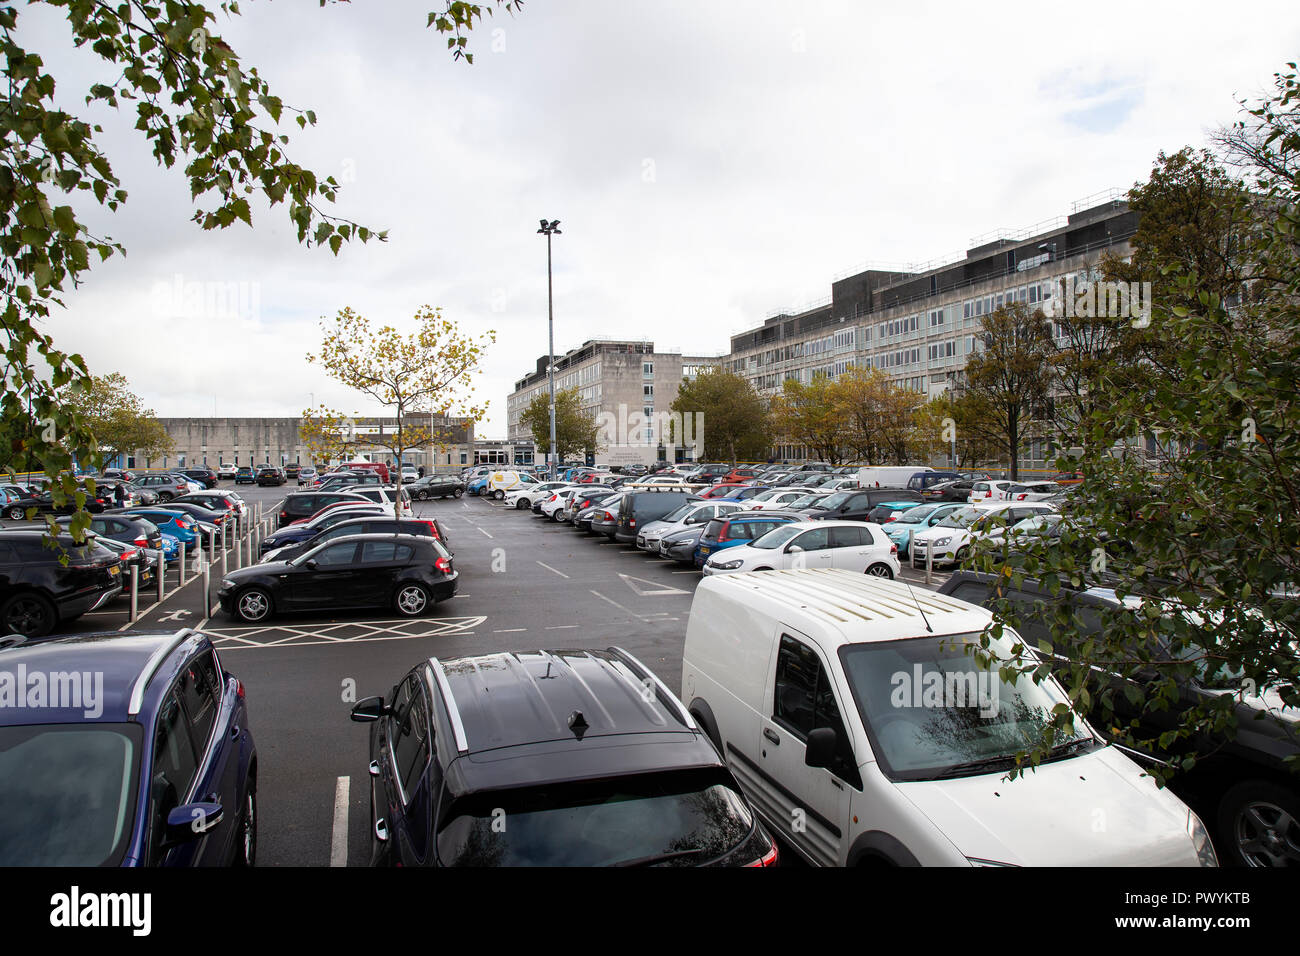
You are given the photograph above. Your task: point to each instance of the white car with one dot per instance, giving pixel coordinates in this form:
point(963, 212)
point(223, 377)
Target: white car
point(555, 503)
point(864, 731)
point(525, 496)
point(951, 540)
point(1033, 491)
point(384, 496)
point(992, 490)
point(409, 474)
point(857, 546)
point(227, 470)
point(778, 498)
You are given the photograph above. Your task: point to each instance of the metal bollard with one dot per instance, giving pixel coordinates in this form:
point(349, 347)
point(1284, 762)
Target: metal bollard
point(180, 574)
point(929, 563)
point(207, 576)
point(224, 553)
point(162, 580)
point(135, 592)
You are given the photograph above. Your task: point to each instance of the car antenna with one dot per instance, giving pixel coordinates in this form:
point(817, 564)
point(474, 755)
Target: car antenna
point(928, 628)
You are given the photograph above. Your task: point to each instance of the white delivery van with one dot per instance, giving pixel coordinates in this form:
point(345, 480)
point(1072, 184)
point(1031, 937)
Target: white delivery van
point(864, 733)
point(501, 482)
point(890, 476)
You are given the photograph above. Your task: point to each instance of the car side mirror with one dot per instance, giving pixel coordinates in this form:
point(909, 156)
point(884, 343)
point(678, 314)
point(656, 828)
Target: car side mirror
point(369, 709)
point(793, 548)
point(310, 563)
point(819, 751)
point(190, 821)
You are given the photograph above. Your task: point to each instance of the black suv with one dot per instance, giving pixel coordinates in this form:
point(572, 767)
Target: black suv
point(38, 591)
point(635, 510)
point(1242, 783)
point(549, 758)
point(304, 504)
point(204, 476)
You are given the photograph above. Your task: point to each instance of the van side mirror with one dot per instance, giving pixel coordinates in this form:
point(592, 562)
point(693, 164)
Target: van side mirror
point(819, 751)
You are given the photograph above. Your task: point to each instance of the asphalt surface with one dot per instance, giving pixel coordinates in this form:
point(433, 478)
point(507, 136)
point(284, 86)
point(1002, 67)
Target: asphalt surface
point(525, 583)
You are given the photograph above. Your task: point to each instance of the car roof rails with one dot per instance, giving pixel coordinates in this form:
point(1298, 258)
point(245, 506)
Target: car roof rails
point(153, 663)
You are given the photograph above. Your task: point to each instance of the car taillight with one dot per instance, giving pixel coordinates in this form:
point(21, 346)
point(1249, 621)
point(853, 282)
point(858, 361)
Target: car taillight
point(239, 688)
point(891, 518)
point(128, 555)
point(553, 497)
point(141, 542)
point(893, 549)
point(767, 859)
point(284, 514)
point(607, 516)
point(443, 565)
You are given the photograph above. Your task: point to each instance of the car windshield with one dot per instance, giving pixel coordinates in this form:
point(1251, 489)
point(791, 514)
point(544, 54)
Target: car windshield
point(776, 537)
point(1036, 524)
point(961, 518)
point(67, 793)
point(679, 513)
point(932, 711)
point(916, 514)
point(807, 501)
point(835, 500)
point(682, 818)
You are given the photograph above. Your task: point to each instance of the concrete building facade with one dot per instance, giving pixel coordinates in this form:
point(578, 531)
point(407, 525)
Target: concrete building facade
point(628, 387)
point(920, 326)
point(257, 441)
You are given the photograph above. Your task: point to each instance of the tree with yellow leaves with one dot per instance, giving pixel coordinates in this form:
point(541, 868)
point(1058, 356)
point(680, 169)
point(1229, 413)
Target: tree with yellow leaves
point(426, 375)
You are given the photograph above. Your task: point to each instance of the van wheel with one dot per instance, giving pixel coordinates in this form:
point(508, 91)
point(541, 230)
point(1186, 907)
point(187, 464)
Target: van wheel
point(498, 494)
point(880, 571)
point(1259, 825)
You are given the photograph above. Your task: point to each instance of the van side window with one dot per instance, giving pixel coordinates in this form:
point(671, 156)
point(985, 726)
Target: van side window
point(803, 701)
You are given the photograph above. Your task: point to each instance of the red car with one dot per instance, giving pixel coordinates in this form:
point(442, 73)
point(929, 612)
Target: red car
point(721, 490)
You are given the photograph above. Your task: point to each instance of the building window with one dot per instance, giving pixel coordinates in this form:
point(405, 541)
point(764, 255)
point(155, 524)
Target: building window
point(648, 391)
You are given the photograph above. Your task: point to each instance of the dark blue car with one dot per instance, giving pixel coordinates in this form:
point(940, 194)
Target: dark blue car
point(136, 753)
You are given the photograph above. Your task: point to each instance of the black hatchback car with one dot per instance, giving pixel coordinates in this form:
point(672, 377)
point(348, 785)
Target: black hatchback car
point(549, 758)
point(641, 507)
point(42, 586)
point(404, 572)
point(270, 477)
point(856, 505)
point(437, 486)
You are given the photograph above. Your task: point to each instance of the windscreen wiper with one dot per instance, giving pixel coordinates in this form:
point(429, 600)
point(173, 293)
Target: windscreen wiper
point(661, 857)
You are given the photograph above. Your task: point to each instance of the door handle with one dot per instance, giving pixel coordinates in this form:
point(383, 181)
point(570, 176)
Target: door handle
point(771, 735)
point(234, 731)
point(374, 768)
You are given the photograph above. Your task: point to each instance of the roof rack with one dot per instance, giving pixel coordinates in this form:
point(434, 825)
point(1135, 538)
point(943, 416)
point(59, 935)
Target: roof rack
point(457, 725)
point(664, 485)
point(151, 666)
point(636, 667)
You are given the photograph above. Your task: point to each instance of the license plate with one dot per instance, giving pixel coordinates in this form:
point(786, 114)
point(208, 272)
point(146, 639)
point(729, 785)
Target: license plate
point(705, 550)
point(114, 571)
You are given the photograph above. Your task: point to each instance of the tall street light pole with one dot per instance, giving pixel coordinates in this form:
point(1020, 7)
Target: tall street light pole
point(549, 229)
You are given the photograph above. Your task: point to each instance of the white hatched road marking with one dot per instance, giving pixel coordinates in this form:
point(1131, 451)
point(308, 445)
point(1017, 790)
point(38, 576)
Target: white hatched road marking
point(654, 588)
point(240, 638)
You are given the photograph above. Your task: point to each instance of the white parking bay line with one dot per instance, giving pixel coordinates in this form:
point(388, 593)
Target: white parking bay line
point(485, 532)
point(510, 630)
point(561, 627)
point(549, 568)
point(339, 839)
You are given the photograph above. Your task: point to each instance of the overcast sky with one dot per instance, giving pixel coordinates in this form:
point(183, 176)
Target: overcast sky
point(711, 163)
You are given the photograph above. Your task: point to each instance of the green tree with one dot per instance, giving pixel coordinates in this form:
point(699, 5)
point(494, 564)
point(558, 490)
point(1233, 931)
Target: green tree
point(810, 415)
point(736, 423)
point(575, 431)
point(877, 417)
point(197, 104)
point(417, 378)
point(118, 419)
point(1204, 552)
point(1009, 376)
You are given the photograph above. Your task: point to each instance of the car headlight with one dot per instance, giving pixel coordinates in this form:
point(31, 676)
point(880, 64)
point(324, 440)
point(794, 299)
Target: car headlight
point(1205, 855)
point(726, 565)
point(227, 583)
point(942, 542)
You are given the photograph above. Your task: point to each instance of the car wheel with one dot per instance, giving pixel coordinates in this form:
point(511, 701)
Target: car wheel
point(28, 614)
point(253, 605)
point(1259, 825)
point(16, 514)
point(458, 492)
point(498, 494)
point(880, 571)
point(246, 849)
point(762, 569)
point(412, 600)
point(521, 504)
point(962, 554)
point(422, 495)
point(164, 496)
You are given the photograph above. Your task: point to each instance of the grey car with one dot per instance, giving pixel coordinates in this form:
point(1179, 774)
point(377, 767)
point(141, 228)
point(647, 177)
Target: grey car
point(690, 514)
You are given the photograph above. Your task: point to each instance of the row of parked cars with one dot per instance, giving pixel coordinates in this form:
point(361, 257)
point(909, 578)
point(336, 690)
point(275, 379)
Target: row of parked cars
point(47, 582)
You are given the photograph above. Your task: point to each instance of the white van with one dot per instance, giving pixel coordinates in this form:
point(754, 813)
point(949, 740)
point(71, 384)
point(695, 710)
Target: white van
point(892, 476)
point(864, 734)
point(499, 483)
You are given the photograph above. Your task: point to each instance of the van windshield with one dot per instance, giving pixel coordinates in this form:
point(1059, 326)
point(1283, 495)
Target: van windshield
point(932, 711)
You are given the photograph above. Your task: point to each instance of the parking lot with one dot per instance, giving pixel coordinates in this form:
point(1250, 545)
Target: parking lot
point(525, 583)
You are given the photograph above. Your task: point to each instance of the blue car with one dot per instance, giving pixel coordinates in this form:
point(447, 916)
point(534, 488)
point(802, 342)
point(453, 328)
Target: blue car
point(140, 755)
point(179, 524)
point(478, 486)
point(171, 547)
point(739, 527)
point(917, 518)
